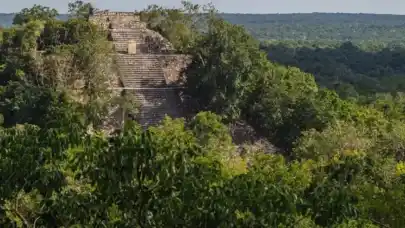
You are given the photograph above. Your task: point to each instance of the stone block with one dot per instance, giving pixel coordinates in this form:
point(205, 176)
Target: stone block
point(131, 47)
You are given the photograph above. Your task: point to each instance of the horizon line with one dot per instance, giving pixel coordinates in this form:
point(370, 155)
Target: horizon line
point(274, 13)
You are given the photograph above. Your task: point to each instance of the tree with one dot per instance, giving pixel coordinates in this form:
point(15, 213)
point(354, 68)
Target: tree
point(179, 25)
point(37, 12)
point(344, 167)
point(226, 62)
point(79, 9)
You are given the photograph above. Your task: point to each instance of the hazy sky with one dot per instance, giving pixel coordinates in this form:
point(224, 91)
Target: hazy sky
point(238, 6)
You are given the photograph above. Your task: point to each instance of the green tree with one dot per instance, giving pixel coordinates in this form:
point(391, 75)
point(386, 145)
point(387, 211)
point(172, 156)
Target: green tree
point(226, 62)
point(80, 9)
point(179, 25)
point(37, 12)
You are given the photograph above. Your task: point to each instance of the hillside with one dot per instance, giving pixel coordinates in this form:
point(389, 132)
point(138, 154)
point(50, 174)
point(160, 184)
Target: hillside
point(314, 26)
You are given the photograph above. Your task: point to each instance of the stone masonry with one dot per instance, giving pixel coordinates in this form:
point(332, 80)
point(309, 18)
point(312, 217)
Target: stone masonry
point(147, 65)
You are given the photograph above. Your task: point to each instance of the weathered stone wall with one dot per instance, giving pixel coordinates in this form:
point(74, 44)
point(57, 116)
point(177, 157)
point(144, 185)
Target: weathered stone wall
point(152, 42)
point(105, 18)
point(156, 43)
point(173, 67)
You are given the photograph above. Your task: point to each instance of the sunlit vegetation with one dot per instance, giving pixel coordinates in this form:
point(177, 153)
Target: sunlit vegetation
point(341, 162)
point(352, 69)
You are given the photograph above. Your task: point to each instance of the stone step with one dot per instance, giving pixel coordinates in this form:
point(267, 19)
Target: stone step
point(139, 83)
point(141, 56)
point(139, 68)
point(122, 37)
point(154, 73)
point(123, 41)
point(139, 63)
point(143, 83)
point(124, 32)
point(159, 56)
point(143, 77)
point(120, 46)
point(152, 94)
point(127, 25)
point(142, 70)
point(155, 104)
point(134, 70)
point(143, 80)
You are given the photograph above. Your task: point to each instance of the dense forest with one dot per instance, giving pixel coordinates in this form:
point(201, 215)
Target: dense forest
point(308, 26)
point(351, 69)
point(341, 161)
point(322, 26)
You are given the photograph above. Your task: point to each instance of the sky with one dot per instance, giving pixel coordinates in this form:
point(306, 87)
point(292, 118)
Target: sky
point(231, 6)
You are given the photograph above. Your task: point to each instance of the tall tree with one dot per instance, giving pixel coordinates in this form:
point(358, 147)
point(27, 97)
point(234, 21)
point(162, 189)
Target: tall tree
point(226, 63)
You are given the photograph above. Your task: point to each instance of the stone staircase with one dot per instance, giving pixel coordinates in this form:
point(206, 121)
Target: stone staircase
point(141, 72)
point(132, 24)
point(122, 36)
point(155, 105)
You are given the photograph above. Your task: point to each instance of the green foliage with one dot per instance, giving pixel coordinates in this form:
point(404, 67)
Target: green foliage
point(136, 178)
point(75, 50)
point(342, 164)
point(43, 107)
point(352, 69)
point(80, 9)
point(37, 12)
point(179, 25)
point(226, 61)
point(208, 126)
point(357, 224)
point(324, 27)
point(336, 140)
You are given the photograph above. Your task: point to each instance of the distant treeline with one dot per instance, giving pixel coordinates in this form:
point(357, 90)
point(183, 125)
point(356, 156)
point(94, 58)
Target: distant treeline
point(6, 19)
point(322, 26)
point(310, 26)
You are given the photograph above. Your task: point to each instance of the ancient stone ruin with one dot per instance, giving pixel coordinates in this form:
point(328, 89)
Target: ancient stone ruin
point(147, 64)
point(150, 70)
